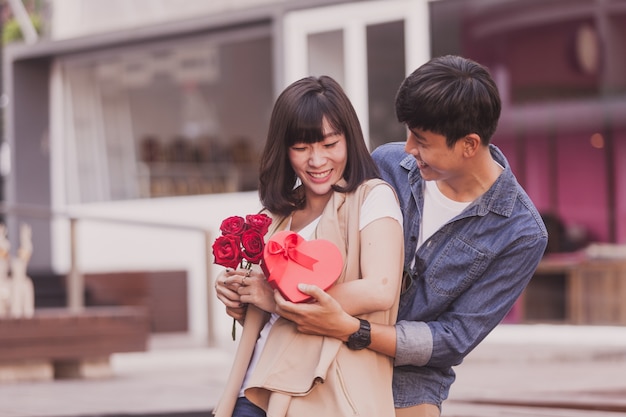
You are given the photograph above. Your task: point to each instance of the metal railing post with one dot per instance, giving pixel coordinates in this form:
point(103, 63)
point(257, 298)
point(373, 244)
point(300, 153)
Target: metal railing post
point(75, 280)
point(210, 293)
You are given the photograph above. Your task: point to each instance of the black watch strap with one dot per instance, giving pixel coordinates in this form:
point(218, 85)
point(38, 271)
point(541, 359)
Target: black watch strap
point(361, 338)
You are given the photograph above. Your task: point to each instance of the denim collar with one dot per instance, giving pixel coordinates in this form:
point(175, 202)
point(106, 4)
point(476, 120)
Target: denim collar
point(499, 198)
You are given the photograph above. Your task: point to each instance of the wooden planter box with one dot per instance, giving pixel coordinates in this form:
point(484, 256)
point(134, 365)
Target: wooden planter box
point(589, 291)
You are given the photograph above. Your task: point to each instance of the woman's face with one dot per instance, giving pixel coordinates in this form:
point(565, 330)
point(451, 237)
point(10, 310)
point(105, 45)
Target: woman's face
point(320, 165)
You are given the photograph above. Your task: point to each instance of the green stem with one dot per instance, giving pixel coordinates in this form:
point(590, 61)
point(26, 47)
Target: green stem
point(233, 331)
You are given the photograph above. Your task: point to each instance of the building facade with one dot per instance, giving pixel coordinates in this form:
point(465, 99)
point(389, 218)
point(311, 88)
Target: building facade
point(144, 118)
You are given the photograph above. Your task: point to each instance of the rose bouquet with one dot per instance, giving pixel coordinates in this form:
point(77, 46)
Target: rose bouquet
point(241, 243)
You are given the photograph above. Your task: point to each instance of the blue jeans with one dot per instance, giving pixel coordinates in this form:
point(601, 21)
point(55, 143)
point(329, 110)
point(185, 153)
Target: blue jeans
point(244, 408)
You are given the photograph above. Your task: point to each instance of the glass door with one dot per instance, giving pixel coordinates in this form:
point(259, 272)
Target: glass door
point(368, 47)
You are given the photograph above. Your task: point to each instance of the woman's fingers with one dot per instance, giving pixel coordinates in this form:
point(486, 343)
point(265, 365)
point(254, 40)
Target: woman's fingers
point(226, 289)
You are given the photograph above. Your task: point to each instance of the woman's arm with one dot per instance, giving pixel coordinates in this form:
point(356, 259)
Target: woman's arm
point(378, 290)
point(381, 270)
point(332, 313)
point(381, 259)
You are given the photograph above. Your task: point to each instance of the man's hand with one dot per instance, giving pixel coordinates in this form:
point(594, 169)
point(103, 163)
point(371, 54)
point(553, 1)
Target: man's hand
point(322, 316)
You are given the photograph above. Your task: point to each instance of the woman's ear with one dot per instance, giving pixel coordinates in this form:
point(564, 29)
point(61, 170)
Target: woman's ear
point(471, 144)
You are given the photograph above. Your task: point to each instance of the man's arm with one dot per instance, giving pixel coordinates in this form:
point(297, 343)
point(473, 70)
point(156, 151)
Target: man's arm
point(325, 317)
point(474, 313)
point(444, 342)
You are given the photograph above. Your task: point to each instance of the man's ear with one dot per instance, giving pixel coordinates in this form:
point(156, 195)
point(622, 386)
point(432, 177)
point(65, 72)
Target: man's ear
point(471, 144)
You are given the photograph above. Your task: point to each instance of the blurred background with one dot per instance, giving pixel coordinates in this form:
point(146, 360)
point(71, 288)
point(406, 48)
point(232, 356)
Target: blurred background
point(131, 128)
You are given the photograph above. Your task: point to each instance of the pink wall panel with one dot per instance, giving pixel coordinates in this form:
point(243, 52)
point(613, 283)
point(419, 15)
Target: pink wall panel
point(581, 179)
point(530, 163)
point(619, 147)
point(537, 181)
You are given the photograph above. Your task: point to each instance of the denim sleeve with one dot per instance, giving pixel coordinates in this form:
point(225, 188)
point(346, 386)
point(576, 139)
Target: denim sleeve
point(387, 158)
point(479, 309)
point(471, 316)
point(414, 343)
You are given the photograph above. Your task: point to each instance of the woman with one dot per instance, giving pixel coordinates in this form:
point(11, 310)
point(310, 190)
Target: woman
point(318, 179)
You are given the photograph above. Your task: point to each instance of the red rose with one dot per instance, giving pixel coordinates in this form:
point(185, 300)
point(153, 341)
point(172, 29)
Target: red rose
point(234, 225)
point(241, 239)
point(260, 222)
point(226, 251)
point(253, 244)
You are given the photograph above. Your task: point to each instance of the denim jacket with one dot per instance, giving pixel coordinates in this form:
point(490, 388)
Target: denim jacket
point(466, 277)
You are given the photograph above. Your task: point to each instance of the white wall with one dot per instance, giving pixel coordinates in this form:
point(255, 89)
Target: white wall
point(74, 18)
point(106, 246)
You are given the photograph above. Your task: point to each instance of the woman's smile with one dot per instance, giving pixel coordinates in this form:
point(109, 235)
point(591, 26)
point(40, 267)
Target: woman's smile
point(322, 175)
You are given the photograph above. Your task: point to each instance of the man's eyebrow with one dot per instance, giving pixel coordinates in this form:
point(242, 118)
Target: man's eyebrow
point(416, 134)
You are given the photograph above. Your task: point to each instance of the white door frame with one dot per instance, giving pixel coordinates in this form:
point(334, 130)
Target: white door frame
point(353, 19)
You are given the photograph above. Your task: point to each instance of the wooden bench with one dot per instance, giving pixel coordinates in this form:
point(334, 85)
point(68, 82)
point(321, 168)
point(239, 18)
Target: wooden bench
point(163, 293)
point(57, 343)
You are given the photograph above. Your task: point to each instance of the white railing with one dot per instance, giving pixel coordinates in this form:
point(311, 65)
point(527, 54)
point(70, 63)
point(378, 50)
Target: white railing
point(75, 285)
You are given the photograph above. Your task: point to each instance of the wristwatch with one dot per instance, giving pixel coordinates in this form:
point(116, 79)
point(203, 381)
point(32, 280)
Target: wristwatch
point(361, 338)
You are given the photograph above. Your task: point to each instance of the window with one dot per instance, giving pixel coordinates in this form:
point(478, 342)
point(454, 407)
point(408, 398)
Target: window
point(174, 118)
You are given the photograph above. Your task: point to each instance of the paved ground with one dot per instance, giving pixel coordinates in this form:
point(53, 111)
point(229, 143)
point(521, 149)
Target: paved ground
point(543, 371)
point(520, 370)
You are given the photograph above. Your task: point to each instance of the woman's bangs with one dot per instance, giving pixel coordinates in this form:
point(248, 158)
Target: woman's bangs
point(305, 126)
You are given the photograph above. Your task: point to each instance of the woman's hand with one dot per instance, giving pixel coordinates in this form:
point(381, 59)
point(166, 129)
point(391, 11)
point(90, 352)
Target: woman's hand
point(226, 290)
point(252, 288)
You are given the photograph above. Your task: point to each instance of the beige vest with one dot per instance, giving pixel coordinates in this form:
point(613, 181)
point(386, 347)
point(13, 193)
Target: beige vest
point(304, 375)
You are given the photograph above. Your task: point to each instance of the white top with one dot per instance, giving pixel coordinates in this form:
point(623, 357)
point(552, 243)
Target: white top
point(380, 202)
point(438, 210)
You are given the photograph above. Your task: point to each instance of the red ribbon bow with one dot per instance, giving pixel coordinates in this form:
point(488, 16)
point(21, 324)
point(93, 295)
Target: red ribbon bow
point(290, 251)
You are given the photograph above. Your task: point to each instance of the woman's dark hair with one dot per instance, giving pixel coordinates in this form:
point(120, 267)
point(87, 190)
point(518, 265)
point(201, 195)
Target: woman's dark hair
point(451, 96)
point(297, 118)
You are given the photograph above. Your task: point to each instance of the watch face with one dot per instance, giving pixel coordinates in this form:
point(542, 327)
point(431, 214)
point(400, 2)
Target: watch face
point(361, 338)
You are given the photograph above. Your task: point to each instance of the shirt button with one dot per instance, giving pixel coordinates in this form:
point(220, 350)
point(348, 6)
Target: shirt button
point(413, 238)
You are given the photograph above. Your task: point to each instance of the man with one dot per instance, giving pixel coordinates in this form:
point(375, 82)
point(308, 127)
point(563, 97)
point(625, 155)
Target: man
point(472, 236)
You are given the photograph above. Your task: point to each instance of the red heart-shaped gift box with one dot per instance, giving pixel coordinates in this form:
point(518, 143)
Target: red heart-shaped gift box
point(289, 260)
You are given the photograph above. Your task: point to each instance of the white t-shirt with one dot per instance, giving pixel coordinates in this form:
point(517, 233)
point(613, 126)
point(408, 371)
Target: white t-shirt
point(380, 202)
point(438, 210)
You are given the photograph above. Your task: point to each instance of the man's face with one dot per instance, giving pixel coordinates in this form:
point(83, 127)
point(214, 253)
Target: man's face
point(436, 161)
